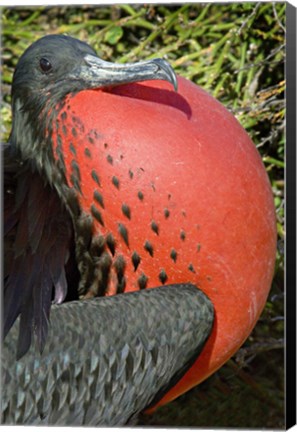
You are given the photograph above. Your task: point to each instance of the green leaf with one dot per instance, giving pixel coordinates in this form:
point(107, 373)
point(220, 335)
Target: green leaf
point(113, 35)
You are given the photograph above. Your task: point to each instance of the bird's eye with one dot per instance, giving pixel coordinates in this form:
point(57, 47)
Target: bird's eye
point(45, 65)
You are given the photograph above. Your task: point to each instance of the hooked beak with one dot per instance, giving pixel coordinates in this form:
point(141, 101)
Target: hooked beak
point(97, 73)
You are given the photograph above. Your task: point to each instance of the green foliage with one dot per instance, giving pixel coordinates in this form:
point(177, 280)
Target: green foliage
point(235, 51)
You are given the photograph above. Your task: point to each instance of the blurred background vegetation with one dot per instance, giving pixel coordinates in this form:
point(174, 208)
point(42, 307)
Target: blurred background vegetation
point(236, 52)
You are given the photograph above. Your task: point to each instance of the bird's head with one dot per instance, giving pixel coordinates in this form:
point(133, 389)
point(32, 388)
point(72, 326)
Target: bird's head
point(55, 66)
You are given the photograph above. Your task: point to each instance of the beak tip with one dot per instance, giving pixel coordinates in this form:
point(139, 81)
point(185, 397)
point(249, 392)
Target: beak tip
point(175, 86)
point(172, 77)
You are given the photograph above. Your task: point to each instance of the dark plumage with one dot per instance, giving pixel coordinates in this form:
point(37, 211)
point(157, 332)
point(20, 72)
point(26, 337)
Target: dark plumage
point(114, 357)
point(38, 244)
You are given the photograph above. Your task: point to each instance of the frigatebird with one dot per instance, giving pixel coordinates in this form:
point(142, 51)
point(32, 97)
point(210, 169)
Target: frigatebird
point(109, 195)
